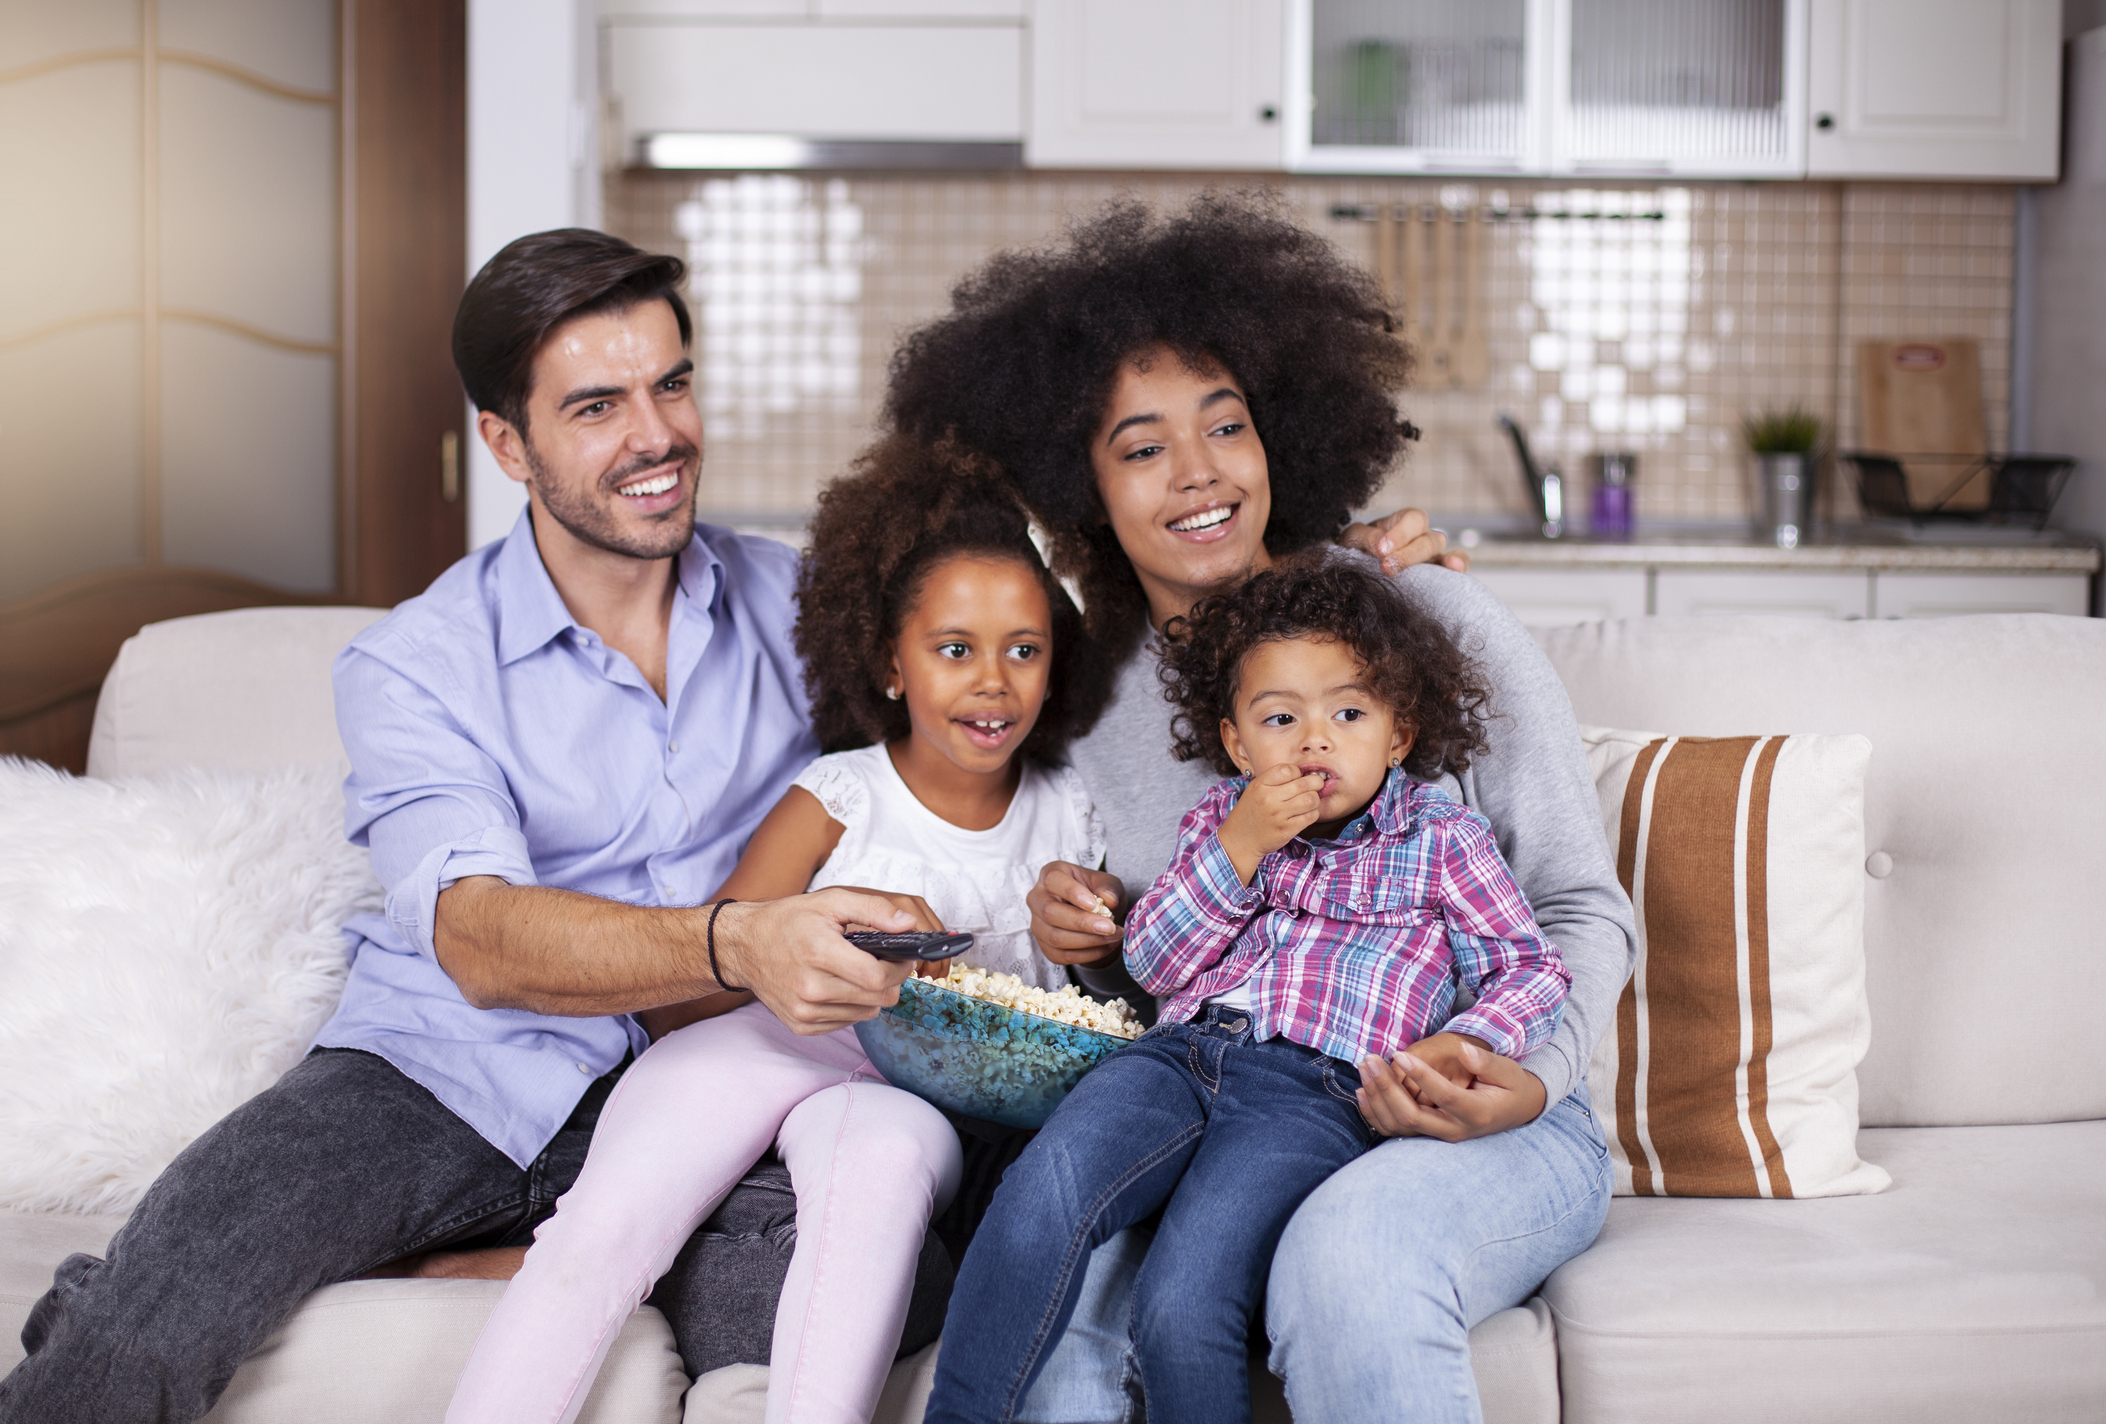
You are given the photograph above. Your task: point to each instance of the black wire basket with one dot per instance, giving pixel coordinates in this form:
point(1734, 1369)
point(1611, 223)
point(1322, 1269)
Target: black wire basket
point(2021, 489)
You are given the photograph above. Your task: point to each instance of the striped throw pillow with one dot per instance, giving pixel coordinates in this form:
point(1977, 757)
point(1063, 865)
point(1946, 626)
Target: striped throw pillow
point(1730, 1069)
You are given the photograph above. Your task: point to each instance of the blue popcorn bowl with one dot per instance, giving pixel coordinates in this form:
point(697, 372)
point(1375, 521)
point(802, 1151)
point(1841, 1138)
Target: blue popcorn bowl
point(979, 1058)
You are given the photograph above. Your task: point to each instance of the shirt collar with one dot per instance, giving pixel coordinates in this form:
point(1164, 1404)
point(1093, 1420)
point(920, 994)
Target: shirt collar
point(531, 612)
point(1385, 815)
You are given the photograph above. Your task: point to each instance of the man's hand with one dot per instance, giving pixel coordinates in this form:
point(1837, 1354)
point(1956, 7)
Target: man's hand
point(1403, 538)
point(1408, 1097)
point(1074, 913)
point(1277, 805)
point(924, 918)
point(790, 953)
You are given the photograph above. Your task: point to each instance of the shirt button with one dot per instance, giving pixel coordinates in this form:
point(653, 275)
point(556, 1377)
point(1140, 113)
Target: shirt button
point(583, 1069)
point(672, 746)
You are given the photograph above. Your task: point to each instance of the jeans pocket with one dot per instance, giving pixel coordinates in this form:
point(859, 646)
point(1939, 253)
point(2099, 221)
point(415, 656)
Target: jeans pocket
point(1584, 1121)
point(1348, 1093)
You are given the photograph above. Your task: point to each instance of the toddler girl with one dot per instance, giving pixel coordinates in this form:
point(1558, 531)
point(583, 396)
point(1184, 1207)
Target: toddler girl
point(1322, 905)
point(937, 645)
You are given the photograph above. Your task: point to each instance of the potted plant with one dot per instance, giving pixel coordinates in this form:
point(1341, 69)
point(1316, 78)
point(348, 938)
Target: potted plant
point(1783, 443)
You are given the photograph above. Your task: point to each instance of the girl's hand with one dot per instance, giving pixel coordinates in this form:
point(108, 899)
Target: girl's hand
point(1074, 913)
point(1402, 538)
point(1407, 1097)
point(1273, 810)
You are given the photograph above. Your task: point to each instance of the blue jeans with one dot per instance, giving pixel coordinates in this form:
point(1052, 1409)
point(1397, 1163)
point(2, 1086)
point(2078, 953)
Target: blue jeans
point(1225, 1136)
point(1378, 1279)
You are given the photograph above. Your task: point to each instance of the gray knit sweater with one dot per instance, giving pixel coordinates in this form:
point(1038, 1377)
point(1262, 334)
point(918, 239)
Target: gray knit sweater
point(1532, 785)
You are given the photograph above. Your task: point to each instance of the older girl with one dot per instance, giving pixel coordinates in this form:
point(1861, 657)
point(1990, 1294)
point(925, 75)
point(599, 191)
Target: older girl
point(947, 672)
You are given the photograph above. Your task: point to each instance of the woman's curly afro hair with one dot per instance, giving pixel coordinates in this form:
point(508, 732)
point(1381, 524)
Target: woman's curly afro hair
point(1412, 664)
point(1024, 363)
point(877, 534)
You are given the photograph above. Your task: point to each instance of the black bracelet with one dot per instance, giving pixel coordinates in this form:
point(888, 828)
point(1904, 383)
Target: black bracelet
point(714, 972)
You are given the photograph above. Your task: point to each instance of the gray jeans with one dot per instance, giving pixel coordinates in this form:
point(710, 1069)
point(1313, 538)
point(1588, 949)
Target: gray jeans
point(344, 1165)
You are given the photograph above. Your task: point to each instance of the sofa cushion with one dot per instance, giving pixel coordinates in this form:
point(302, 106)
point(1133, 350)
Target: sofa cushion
point(1975, 1289)
point(364, 1352)
point(1981, 821)
point(1729, 1068)
point(240, 691)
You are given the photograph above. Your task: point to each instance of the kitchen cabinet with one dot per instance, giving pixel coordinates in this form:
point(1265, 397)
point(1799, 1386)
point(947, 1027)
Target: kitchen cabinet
point(1682, 88)
point(1935, 89)
point(1956, 595)
point(880, 81)
point(1711, 88)
point(1549, 585)
point(1156, 84)
point(1683, 593)
point(1435, 86)
point(1698, 88)
point(1554, 598)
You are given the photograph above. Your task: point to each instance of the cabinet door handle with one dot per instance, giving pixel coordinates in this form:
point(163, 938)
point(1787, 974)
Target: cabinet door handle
point(450, 466)
point(1824, 122)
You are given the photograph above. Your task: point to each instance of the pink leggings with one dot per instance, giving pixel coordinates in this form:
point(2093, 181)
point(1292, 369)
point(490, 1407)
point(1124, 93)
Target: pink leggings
point(871, 1164)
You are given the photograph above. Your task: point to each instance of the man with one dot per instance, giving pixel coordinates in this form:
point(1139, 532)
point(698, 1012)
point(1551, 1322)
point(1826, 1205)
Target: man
point(557, 753)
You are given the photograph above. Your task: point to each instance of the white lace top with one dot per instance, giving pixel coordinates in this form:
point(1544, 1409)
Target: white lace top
point(975, 881)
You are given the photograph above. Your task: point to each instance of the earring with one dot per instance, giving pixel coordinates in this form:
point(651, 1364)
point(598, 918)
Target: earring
point(1396, 762)
point(893, 693)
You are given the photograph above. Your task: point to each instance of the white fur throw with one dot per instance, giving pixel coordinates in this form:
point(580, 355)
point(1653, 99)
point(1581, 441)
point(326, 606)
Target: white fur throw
point(168, 947)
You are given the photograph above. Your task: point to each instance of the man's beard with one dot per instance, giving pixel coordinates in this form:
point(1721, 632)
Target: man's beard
point(594, 523)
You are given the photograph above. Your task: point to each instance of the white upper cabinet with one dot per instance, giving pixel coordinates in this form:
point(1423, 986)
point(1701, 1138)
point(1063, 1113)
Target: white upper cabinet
point(1433, 86)
point(1697, 88)
point(1935, 89)
point(881, 82)
point(1156, 84)
point(1712, 88)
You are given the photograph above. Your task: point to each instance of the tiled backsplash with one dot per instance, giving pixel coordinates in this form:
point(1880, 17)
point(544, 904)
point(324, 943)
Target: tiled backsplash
point(1647, 319)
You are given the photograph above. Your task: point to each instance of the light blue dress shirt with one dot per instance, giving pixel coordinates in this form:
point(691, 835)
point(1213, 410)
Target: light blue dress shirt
point(490, 734)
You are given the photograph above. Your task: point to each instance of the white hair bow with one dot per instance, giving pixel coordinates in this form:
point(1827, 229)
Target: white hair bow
point(1043, 542)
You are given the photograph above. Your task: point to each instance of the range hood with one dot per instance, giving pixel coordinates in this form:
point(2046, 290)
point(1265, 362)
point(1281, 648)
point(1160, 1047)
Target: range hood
point(775, 151)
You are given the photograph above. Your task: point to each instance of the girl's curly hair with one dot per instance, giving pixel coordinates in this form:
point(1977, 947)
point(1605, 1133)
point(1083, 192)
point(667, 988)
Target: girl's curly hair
point(1025, 361)
point(877, 533)
point(1412, 664)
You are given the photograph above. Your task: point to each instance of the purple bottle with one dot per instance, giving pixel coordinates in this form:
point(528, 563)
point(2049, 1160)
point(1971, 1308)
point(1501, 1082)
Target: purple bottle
point(1612, 514)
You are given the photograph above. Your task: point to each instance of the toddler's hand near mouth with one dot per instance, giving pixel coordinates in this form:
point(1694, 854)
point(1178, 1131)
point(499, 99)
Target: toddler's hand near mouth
point(1280, 802)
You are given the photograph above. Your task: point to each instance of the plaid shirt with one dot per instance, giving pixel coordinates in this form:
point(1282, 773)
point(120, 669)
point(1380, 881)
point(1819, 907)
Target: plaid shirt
point(1356, 945)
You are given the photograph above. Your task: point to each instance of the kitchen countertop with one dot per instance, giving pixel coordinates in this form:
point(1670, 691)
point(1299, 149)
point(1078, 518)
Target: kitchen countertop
point(1969, 549)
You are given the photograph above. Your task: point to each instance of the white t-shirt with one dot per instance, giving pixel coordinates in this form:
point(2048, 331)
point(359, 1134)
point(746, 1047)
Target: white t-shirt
point(975, 881)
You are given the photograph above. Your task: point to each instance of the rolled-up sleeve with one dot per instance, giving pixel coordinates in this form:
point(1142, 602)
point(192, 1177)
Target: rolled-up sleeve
point(430, 804)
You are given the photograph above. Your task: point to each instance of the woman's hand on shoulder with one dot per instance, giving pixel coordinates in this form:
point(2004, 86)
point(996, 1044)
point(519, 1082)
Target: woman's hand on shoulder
point(1402, 538)
point(1074, 913)
point(1408, 1096)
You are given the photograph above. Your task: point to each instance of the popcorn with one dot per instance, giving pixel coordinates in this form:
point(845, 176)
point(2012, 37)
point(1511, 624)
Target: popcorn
point(1067, 1004)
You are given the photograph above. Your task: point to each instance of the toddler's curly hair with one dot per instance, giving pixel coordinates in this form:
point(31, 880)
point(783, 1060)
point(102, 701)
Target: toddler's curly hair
point(1024, 362)
point(1412, 664)
point(905, 507)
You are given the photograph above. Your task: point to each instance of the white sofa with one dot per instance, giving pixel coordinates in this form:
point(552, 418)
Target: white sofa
point(1974, 1289)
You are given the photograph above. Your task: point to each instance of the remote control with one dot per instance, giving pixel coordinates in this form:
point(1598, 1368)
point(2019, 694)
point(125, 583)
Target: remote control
point(913, 944)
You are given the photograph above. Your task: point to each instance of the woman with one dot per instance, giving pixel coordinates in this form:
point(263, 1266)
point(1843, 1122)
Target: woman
point(1181, 401)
